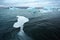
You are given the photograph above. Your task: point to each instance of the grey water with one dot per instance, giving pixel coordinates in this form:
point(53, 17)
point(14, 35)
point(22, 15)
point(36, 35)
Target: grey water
point(7, 15)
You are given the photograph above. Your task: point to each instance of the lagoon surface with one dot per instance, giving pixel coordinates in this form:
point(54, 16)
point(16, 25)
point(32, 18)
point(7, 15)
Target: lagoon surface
point(8, 18)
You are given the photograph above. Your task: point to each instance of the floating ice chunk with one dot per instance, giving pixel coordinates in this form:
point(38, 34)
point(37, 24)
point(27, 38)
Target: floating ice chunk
point(20, 21)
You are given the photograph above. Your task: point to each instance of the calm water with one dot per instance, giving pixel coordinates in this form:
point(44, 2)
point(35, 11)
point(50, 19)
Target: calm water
point(7, 15)
point(10, 14)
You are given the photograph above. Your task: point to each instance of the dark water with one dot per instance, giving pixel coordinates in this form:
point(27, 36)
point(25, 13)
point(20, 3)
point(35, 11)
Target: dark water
point(8, 18)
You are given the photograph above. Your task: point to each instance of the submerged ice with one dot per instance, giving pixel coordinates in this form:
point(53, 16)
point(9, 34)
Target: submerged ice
point(20, 22)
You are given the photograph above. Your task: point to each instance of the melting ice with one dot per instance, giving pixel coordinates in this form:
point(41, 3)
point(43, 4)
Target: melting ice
point(20, 22)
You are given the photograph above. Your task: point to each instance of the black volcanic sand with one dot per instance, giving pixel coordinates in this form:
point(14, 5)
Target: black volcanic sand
point(41, 28)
